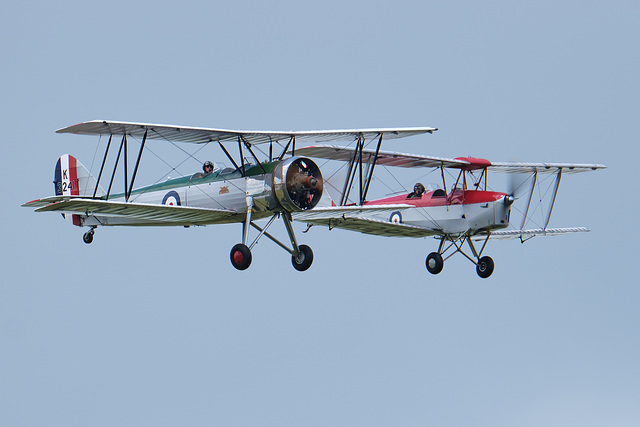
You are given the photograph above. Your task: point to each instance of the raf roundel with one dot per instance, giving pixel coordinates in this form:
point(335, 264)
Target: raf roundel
point(396, 217)
point(172, 198)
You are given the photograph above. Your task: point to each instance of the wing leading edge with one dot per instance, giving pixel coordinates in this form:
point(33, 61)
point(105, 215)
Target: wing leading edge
point(199, 135)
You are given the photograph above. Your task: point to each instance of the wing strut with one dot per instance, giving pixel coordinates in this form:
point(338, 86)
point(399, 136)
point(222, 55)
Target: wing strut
point(228, 155)
point(115, 167)
point(356, 167)
point(126, 171)
point(128, 187)
point(353, 170)
point(135, 170)
point(248, 145)
point(102, 167)
point(349, 179)
point(553, 200)
point(292, 139)
point(241, 157)
point(526, 211)
point(370, 174)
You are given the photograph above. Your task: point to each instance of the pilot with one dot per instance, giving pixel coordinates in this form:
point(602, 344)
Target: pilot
point(207, 167)
point(418, 191)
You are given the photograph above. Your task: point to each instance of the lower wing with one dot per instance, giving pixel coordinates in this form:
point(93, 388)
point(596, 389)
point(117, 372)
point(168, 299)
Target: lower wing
point(527, 234)
point(349, 218)
point(178, 215)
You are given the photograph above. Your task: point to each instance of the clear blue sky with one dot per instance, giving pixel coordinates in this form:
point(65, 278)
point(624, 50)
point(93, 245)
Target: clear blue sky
point(155, 327)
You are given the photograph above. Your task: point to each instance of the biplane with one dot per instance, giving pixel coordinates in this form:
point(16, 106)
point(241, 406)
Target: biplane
point(287, 183)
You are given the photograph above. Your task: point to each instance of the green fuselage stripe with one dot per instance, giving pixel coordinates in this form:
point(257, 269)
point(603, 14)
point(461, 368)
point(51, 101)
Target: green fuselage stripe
point(200, 178)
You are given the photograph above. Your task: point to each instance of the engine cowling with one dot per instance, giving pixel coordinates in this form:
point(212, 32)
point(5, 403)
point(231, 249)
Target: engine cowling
point(297, 184)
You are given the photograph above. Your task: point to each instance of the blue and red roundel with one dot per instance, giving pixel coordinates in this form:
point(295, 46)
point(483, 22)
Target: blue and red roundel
point(172, 198)
point(396, 217)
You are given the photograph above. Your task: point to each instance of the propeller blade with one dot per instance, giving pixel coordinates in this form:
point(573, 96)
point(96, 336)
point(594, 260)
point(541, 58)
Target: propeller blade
point(517, 184)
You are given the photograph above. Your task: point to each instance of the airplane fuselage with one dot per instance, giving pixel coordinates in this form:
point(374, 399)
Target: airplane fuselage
point(457, 212)
point(222, 189)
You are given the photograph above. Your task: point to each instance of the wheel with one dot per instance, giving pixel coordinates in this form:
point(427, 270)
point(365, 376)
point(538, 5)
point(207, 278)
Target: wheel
point(303, 261)
point(88, 237)
point(485, 267)
point(434, 263)
point(240, 256)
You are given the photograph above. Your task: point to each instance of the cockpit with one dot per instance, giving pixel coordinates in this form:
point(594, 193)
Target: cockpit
point(208, 168)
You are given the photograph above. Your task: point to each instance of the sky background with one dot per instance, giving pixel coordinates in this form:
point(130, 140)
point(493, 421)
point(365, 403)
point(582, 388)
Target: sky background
point(155, 327)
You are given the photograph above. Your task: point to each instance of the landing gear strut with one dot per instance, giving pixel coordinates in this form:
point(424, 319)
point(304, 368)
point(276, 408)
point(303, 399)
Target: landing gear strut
point(484, 264)
point(301, 256)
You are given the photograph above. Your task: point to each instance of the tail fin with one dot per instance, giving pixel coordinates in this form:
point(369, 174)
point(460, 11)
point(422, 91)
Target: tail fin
point(71, 178)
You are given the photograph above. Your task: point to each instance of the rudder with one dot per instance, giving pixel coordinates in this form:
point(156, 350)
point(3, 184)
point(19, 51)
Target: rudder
point(71, 178)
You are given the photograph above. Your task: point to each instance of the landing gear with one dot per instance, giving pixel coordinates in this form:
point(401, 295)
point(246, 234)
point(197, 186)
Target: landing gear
point(301, 255)
point(434, 262)
point(484, 267)
point(484, 264)
point(88, 236)
point(241, 256)
point(304, 259)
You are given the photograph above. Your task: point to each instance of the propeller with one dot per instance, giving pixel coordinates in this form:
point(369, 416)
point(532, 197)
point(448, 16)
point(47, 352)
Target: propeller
point(516, 187)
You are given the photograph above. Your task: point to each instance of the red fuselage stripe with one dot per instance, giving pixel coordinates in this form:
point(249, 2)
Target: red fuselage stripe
point(458, 197)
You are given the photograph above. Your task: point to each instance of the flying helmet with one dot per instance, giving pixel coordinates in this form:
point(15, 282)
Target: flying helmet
point(206, 165)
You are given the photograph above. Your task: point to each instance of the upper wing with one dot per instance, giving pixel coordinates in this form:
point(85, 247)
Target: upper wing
point(511, 167)
point(390, 158)
point(198, 135)
point(348, 218)
point(386, 158)
point(177, 215)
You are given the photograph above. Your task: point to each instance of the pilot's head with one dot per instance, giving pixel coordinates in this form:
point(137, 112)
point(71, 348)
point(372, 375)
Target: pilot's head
point(207, 167)
point(418, 189)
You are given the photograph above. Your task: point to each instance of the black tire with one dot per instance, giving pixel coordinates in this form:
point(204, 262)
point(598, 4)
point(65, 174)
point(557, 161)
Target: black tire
point(304, 260)
point(434, 263)
point(240, 256)
point(485, 267)
point(88, 237)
